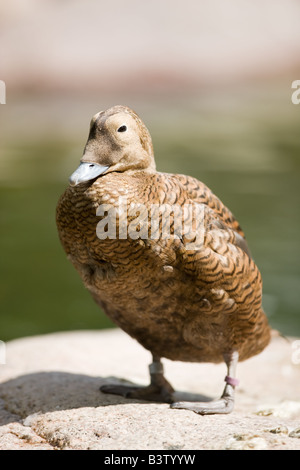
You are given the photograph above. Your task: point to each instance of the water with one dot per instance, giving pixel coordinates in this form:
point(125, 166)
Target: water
point(249, 159)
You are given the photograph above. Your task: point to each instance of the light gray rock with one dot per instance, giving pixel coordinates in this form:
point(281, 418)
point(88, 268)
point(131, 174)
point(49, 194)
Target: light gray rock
point(50, 398)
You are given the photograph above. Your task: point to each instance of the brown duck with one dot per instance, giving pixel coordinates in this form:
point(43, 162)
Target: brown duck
point(163, 257)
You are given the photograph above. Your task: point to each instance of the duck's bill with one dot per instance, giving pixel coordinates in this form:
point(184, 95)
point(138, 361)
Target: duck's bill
point(86, 172)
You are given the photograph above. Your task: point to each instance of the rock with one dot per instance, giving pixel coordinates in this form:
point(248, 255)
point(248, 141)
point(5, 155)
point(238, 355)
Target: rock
point(295, 433)
point(280, 430)
point(286, 409)
point(50, 398)
point(246, 442)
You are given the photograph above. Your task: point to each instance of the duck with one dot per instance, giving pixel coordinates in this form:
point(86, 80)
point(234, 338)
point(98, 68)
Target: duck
point(163, 258)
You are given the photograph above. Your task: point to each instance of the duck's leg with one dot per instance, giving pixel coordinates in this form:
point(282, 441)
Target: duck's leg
point(159, 388)
point(226, 403)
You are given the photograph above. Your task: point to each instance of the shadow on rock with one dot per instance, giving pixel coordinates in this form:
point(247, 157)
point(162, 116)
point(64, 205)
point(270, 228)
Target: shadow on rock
point(52, 391)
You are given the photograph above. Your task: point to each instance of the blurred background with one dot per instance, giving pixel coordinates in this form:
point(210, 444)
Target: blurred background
point(212, 81)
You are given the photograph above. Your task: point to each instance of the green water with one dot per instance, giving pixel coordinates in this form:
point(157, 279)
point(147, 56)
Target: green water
point(252, 164)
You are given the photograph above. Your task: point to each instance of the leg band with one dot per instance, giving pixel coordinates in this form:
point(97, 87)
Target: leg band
point(156, 368)
point(232, 381)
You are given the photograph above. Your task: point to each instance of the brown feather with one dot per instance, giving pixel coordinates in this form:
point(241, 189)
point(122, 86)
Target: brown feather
point(181, 304)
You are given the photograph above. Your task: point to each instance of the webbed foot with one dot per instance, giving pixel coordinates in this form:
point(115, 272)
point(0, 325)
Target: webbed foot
point(222, 406)
point(159, 389)
point(149, 393)
point(225, 404)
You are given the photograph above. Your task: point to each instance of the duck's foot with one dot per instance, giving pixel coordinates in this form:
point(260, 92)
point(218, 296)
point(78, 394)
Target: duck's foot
point(149, 393)
point(223, 406)
point(159, 389)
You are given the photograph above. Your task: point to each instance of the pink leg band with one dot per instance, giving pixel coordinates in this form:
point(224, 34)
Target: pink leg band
point(232, 381)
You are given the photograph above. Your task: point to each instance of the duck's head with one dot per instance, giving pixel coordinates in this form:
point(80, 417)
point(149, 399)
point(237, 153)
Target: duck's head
point(118, 141)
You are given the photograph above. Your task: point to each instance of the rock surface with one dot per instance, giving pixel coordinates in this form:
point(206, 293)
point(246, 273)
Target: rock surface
point(50, 398)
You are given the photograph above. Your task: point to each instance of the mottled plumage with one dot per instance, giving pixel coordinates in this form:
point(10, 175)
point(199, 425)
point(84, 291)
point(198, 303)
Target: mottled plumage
point(196, 305)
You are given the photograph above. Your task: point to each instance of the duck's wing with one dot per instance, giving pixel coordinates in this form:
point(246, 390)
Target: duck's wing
point(199, 193)
point(224, 275)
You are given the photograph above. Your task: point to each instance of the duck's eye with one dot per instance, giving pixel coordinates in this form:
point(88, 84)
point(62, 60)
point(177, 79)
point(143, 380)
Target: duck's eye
point(122, 128)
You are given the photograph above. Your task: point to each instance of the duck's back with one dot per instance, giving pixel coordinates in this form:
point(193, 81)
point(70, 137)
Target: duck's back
point(181, 301)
